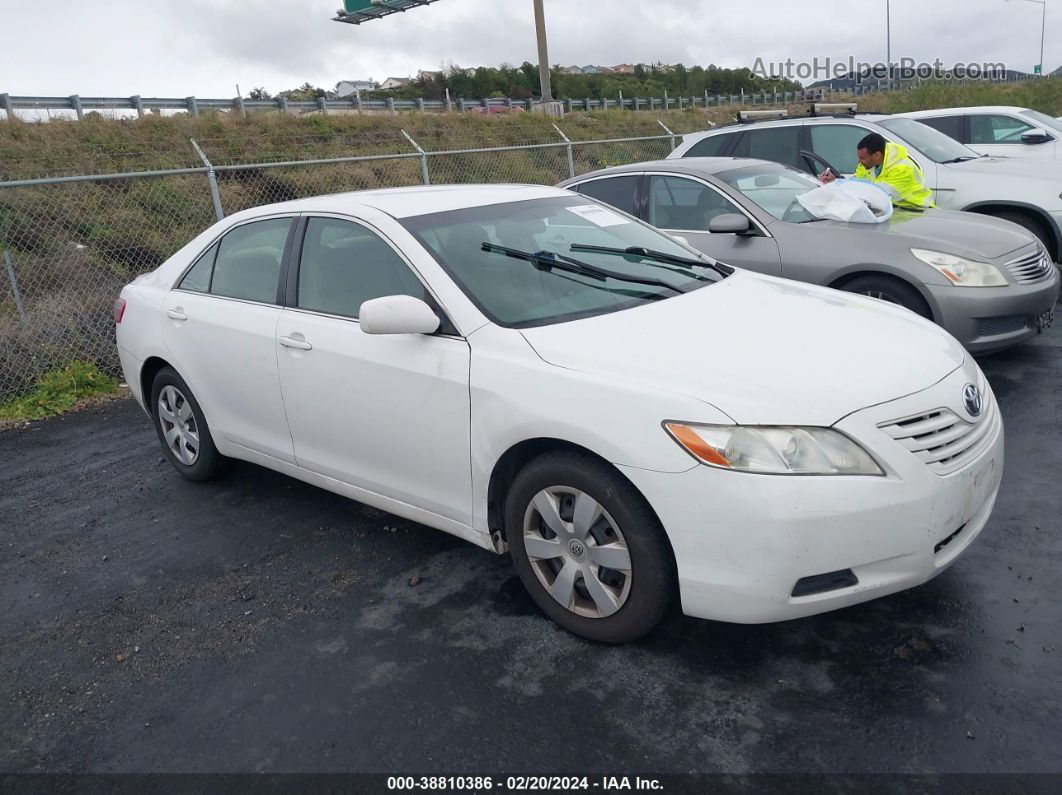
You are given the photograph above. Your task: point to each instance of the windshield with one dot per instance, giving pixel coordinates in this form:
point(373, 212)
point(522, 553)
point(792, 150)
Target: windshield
point(925, 140)
point(517, 294)
point(1045, 121)
point(774, 188)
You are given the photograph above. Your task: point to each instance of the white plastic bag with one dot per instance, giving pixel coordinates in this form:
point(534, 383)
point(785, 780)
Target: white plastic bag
point(849, 200)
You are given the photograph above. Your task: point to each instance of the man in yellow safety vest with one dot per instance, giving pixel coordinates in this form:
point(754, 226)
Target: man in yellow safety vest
point(888, 165)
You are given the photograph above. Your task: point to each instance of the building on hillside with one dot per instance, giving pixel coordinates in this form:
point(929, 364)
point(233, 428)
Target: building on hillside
point(424, 74)
point(623, 69)
point(571, 70)
point(392, 83)
point(346, 88)
point(590, 69)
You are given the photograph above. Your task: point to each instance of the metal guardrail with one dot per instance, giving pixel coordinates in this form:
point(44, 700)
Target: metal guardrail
point(80, 105)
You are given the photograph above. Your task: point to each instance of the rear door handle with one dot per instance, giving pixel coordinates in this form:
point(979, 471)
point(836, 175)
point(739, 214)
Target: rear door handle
point(292, 342)
point(176, 314)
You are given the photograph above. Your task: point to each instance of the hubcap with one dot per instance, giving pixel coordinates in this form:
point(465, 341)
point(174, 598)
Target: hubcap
point(179, 427)
point(577, 551)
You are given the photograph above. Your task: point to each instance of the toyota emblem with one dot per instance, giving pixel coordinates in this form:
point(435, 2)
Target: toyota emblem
point(971, 400)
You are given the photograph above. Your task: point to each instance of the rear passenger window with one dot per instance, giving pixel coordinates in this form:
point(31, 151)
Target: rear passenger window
point(344, 264)
point(777, 144)
point(248, 261)
point(197, 279)
point(616, 191)
point(951, 126)
point(712, 146)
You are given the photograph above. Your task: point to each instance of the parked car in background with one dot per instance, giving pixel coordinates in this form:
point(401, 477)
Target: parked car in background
point(998, 130)
point(1025, 192)
point(532, 371)
point(987, 281)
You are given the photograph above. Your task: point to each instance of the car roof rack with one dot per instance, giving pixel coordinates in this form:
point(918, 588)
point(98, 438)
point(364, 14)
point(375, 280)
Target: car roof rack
point(832, 108)
point(748, 116)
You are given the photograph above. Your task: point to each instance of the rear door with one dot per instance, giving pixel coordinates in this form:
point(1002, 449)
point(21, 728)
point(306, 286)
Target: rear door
point(220, 329)
point(386, 413)
point(684, 206)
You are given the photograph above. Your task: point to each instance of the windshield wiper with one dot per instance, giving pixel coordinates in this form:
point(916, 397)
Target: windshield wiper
point(962, 159)
point(545, 260)
point(659, 256)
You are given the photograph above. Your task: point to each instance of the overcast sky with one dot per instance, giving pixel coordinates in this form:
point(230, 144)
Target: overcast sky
point(206, 47)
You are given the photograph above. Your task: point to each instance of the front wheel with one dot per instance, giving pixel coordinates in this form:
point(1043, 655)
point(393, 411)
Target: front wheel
point(890, 290)
point(588, 547)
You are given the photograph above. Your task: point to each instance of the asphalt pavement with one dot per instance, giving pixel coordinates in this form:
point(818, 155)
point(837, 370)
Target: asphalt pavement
point(257, 624)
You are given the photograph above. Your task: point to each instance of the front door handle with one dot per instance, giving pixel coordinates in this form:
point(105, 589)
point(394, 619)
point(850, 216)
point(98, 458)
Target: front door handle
point(176, 314)
point(292, 342)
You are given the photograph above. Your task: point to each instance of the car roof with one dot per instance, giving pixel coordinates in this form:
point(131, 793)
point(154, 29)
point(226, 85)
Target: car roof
point(915, 114)
point(416, 200)
point(708, 166)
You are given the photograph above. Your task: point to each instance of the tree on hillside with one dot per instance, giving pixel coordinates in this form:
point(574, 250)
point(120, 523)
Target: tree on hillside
point(259, 93)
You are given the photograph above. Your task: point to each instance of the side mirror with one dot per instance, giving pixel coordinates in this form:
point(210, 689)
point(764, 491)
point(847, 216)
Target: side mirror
point(729, 224)
point(1036, 136)
point(397, 314)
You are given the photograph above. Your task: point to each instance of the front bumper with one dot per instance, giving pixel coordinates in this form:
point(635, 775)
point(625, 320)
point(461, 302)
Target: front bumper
point(742, 542)
point(988, 319)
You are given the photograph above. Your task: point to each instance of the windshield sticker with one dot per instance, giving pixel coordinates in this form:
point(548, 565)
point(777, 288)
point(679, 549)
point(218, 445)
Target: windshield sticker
point(596, 214)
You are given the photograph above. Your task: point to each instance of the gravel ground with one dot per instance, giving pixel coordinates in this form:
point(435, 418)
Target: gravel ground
point(259, 624)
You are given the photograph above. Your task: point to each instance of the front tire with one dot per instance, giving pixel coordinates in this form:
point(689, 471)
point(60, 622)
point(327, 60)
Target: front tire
point(891, 290)
point(182, 429)
point(588, 548)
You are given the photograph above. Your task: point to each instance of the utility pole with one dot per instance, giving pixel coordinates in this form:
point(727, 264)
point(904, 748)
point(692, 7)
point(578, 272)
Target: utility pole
point(888, 36)
point(543, 56)
point(1043, 27)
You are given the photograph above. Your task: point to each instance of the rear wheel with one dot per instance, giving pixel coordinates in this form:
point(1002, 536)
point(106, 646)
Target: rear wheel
point(588, 547)
point(891, 290)
point(182, 428)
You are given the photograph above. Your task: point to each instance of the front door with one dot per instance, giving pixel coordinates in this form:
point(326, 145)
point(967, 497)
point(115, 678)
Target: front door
point(685, 207)
point(386, 413)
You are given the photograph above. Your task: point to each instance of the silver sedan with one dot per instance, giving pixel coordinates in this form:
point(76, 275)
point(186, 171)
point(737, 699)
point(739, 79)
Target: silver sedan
point(987, 281)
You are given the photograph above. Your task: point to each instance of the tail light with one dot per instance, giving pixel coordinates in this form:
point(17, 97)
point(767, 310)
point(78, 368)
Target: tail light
point(119, 310)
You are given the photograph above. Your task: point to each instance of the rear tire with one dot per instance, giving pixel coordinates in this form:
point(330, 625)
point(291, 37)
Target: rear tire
point(182, 429)
point(890, 289)
point(610, 565)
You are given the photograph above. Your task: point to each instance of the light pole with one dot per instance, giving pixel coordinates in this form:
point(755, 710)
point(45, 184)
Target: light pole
point(1043, 27)
point(888, 37)
point(543, 56)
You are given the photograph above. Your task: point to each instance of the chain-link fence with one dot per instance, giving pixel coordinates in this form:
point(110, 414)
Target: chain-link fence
point(70, 243)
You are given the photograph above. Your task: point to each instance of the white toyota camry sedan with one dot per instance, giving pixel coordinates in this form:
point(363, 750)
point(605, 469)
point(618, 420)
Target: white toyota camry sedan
point(540, 374)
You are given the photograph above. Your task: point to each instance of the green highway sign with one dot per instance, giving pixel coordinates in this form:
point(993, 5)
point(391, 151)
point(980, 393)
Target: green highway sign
point(357, 11)
point(1038, 69)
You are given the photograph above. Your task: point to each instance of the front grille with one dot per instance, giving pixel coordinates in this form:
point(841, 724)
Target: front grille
point(991, 326)
point(942, 439)
point(1030, 268)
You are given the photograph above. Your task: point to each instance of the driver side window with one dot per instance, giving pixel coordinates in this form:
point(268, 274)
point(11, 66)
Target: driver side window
point(997, 129)
point(683, 204)
point(836, 144)
point(344, 264)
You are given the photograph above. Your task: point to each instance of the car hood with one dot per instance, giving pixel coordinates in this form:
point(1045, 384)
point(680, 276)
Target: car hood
point(964, 234)
point(760, 349)
point(1025, 167)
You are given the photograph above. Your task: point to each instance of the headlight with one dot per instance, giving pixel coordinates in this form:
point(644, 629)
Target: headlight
point(962, 272)
point(774, 450)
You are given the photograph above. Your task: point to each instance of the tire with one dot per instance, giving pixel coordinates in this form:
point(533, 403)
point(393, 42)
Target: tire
point(891, 289)
point(1032, 225)
point(607, 605)
point(182, 429)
